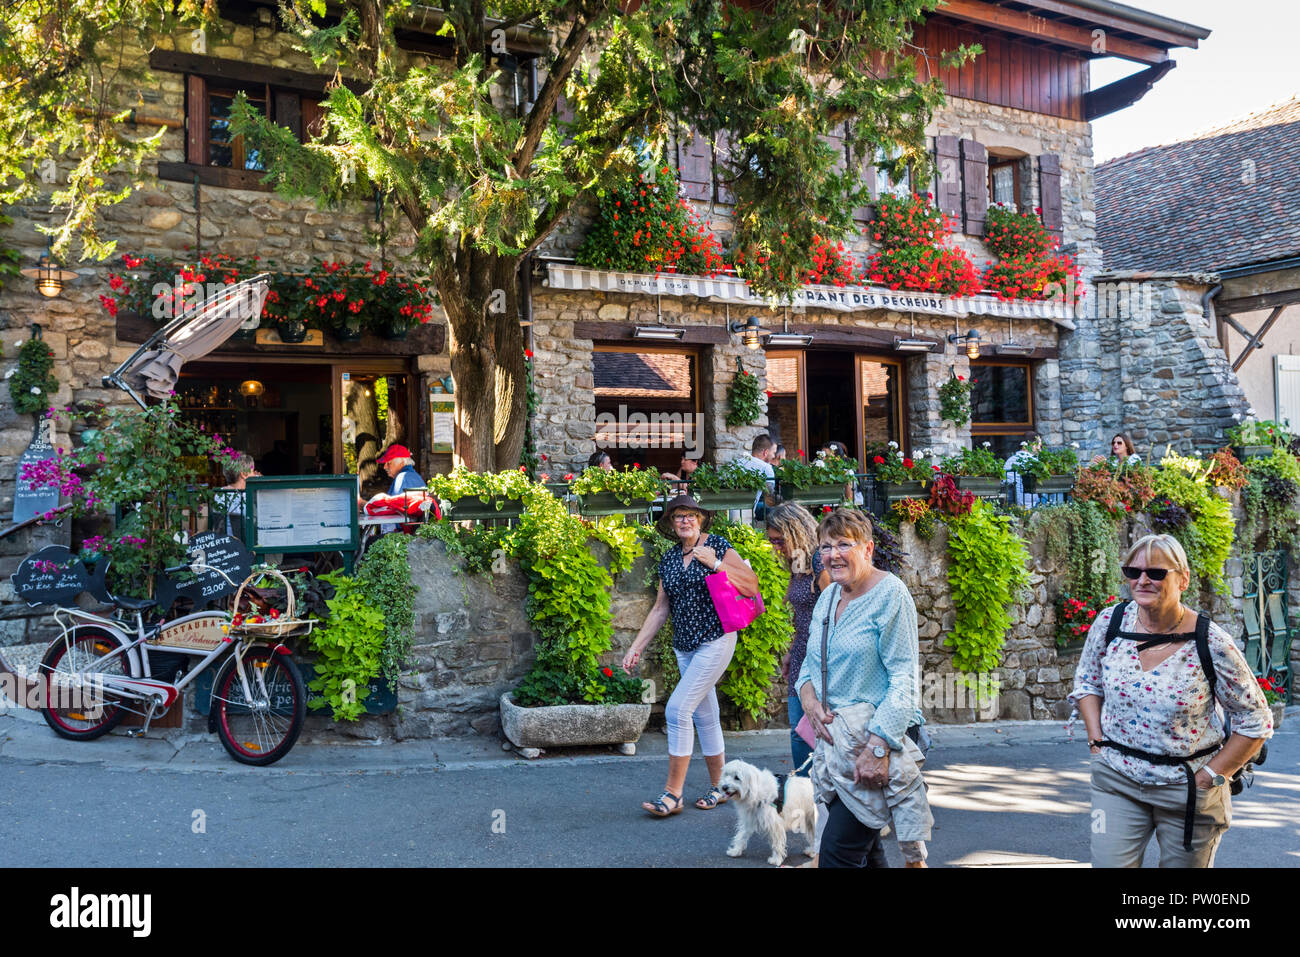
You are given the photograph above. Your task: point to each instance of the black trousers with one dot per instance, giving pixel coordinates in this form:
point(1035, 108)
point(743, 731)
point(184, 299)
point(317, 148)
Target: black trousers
point(847, 842)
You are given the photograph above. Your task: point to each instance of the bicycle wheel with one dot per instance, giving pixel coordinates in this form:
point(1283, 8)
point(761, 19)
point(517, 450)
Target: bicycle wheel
point(262, 730)
point(73, 707)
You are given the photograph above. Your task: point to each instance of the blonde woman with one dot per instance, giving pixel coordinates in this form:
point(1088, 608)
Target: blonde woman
point(1147, 684)
point(793, 535)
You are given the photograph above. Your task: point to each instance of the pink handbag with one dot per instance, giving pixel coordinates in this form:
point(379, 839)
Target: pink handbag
point(735, 611)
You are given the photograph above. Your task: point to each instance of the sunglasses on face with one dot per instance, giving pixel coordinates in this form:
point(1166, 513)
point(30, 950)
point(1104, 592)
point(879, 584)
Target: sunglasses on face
point(1133, 573)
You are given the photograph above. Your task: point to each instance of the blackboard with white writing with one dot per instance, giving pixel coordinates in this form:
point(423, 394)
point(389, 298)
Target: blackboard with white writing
point(53, 576)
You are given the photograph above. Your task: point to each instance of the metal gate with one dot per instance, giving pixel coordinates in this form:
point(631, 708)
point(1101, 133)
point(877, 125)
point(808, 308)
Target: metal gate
point(1267, 616)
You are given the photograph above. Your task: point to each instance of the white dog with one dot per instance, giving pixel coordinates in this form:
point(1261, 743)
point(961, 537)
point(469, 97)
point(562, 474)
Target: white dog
point(766, 805)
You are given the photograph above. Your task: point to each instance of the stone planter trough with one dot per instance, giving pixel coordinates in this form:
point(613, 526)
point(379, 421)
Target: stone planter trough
point(1052, 485)
point(607, 503)
point(727, 498)
point(572, 725)
point(982, 486)
point(473, 508)
point(1243, 452)
point(813, 495)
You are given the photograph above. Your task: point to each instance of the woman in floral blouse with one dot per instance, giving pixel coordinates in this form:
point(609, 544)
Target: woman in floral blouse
point(703, 650)
point(1162, 755)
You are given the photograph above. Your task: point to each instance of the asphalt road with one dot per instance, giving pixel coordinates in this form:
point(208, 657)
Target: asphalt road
point(996, 805)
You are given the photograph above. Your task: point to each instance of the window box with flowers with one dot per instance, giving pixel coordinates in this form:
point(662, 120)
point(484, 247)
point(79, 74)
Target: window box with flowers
point(824, 481)
point(480, 496)
point(731, 486)
point(976, 470)
point(1256, 440)
point(630, 491)
point(1048, 472)
point(900, 476)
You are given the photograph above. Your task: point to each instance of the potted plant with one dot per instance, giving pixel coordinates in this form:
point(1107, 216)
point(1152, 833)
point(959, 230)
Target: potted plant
point(604, 492)
point(1048, 471)
point(976, 470)
point(899, 476)
point(726, 487)
point(1254, 439)
point(481, 496)
point(554, 708)
point(1274, 689)
point(823, 481)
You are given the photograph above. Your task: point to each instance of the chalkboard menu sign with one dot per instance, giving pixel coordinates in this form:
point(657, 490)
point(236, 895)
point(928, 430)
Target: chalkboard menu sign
point(29, 500)
point(53, 576)
point(216, 551)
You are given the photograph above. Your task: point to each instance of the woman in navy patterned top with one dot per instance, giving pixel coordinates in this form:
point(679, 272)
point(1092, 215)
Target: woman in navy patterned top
point(703, 650)
point(793, 535)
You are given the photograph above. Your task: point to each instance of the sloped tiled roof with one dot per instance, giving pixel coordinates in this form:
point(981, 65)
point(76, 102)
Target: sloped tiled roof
point(649, 375)
point(1229, 196)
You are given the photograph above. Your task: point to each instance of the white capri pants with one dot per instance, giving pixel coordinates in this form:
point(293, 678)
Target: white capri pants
point(695, 698)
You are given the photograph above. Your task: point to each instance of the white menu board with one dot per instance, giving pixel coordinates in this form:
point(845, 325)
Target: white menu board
point(288, 517)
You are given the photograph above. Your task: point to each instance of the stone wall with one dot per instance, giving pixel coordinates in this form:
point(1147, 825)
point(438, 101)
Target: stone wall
point(1148, 363)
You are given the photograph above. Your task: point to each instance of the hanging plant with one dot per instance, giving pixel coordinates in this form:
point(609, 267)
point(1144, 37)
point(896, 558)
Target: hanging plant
point(743, 404)
point(986, 573)
point(32, 385)
point(954, 400)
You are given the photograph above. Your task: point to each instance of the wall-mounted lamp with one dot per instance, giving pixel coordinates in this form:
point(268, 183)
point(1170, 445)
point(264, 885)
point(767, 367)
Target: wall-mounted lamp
point(251, 387)
point(49, 277)
point(972, 340)
point(751, 331)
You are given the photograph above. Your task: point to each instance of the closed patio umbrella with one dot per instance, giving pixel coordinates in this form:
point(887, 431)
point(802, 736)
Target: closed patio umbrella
point(153, 367)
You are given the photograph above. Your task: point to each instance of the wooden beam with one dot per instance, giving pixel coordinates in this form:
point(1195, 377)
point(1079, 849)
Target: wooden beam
point(238, 71)
point(424, 340)
point(622, 332)
point(1116, 96)
point(1257, 339)
point(1026, 24)
point(1263, 301)
point(214, 176)
point(1173, 39)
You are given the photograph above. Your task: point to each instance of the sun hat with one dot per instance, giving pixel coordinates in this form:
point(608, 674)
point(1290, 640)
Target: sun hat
point(665, 523)
point(395, 452)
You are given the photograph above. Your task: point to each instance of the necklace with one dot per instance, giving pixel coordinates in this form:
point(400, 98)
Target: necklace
point(1150, 629)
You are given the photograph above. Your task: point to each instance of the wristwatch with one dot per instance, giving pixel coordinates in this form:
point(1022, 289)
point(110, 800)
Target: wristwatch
point(717, 564)
point(878, 751)
point(1216, 779)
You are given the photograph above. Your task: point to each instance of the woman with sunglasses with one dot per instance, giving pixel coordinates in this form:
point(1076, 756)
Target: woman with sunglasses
point(703, 650)
point(1162, 754)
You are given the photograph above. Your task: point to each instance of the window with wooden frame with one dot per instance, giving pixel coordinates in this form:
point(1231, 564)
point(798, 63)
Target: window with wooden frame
point(647, 404)
point(1002, 404)
point(1004, 181)
point(209, 142)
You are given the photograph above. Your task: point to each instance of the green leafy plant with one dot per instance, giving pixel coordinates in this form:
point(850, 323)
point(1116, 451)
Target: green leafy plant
point(1256, 432)
point(384, 575)
point(1226, 470)
point(799, 473)
point(1046, 463)
point(514, 485)
point(976, 462)
point(954, 400)
point(1208, 539)
point(918, 512)
point(1085, 537)
point(1271, 518)
point(350, 646)
point(732, 475)
point(1119, 489)
point(743, 402)
point(889, 464)
point(629, 485)
point(986, 573)
point(759, 647)
point(33, 385)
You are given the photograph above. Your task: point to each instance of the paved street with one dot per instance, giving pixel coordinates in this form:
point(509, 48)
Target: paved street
point(1007, 794)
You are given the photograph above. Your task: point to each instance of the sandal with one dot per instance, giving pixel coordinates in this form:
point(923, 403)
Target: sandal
point(712, 799)
point(659, 809)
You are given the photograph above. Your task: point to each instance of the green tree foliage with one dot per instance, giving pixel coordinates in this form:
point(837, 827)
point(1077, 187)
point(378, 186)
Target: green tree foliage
point(483, 181)
point(59, 64)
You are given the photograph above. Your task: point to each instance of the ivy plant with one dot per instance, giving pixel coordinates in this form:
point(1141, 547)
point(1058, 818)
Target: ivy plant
point(743, 403)
point(350, 646)
point(986, 573)
point(33, 385)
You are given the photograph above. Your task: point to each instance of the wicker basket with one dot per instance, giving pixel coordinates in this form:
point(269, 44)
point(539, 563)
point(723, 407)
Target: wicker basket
point(277, 628)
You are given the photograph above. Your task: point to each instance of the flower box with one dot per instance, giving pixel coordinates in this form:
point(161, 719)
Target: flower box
point(473, 508)
point(1243, 452)
point(981, 485)
point(813, 494)
point(573, 725)
point(891, 492)
point(727, 498)
point(1052, 485)
point(607, 503)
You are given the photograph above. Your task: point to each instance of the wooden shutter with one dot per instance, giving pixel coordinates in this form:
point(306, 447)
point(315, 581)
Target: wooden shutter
point(1049, 190)
point(866, 170)
point(947, 164)
point(722, 150)
point(313, 118)
point(196, 120)
point(975, 186)
point(695, 159)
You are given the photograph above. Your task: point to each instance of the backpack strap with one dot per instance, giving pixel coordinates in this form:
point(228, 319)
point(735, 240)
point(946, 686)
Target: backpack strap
point(1203, 650)
point(1112, 629)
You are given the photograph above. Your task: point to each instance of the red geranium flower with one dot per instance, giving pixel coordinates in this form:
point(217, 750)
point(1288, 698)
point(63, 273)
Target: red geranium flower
point(907, 463)
point(826, 509)
point(607, 671)
point(879, 460)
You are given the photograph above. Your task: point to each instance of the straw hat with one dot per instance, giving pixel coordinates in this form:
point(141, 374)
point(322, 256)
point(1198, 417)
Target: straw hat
point(665, 523)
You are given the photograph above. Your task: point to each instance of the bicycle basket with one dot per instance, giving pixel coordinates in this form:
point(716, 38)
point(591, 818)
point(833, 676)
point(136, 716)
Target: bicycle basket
point(260, 625)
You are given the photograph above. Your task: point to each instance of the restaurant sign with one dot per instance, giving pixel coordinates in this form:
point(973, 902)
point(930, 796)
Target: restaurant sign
point(725, 289)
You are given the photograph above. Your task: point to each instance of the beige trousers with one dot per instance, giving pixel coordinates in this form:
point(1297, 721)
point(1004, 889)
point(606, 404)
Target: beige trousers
point(1125, 814)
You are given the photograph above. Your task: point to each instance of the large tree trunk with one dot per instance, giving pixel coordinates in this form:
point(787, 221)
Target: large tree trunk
point(487, 360)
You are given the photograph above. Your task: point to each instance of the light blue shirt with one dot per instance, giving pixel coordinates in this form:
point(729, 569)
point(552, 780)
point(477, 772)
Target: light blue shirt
point(872, 655)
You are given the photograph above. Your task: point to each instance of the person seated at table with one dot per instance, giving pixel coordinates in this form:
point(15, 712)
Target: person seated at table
point(761, 453)
point(685, 469)
point(600, 460)
point(399, 465)
point(1122, 452)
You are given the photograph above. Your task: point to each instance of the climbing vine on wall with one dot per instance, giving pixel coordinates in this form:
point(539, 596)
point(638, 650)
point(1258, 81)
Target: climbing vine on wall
point(743, 404)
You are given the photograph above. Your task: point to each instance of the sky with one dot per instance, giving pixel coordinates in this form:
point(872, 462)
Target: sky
point(1250, 60)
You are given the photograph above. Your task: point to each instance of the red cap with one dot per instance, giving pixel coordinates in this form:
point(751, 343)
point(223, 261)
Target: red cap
point(395, 452)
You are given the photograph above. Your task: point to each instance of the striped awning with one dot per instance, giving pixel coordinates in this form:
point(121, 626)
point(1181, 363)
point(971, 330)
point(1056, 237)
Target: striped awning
point(725, 289)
